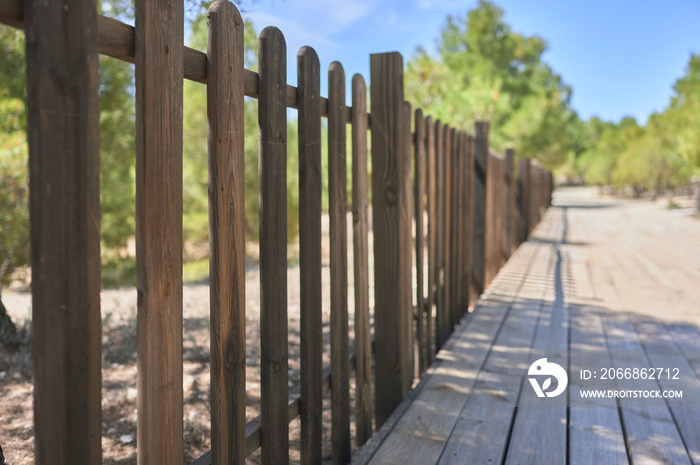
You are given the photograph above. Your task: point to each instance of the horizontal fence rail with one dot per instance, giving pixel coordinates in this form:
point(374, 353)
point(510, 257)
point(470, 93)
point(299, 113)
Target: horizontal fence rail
point(444, 207)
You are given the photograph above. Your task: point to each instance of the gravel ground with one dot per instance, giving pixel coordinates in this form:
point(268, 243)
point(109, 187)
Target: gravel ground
point(118, 308)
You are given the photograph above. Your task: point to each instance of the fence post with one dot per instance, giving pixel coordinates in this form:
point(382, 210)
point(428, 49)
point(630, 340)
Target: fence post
point(510, 241)
point(392, 234)
point(63, 137)
point(363, 338)
point(481, 155)
point(310, 266)
point(337, 206)
point(159, 80)
point(470, 298)
point(272, 123)
point(432, 206)
point(523, 199)
point(419, 194)
point(226, 231)
point(441, 315)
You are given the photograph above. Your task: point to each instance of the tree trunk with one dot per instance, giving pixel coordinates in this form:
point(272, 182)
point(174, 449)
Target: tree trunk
point(697, 197)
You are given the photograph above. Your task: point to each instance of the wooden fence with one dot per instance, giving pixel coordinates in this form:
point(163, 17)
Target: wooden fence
point(476, 215)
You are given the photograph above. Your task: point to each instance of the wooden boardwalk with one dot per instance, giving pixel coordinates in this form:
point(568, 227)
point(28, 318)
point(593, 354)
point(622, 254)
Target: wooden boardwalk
point(617, 277)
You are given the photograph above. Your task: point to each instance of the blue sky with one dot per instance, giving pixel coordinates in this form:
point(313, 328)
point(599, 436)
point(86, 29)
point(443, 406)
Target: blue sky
point(620, 56)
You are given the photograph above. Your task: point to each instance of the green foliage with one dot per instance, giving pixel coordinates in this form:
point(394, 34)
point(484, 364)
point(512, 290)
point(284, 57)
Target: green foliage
point(195, 198)
point(14, 212)
point(485, 71)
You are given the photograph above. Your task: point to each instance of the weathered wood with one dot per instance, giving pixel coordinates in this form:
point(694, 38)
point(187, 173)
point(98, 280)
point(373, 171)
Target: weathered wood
point(595, 430)
point(448, 320)
point(481, 432)
point(419, 199)
point(225, 117)
point(432, 236)
point(510, 240)
point(310, 265)
point(469, 224)
point(421, 433)
point(337, 210)
point(64, 166)
point(411, 367)
point(159, 80)
point(453, 163)
point(523, 199)
point(363, 342)
point(481, 152)
point(392, 234)
point(272, 123)
point(441, 320)
point(650, 431)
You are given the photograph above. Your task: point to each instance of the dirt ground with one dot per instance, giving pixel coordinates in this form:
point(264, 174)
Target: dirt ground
point(119, 414)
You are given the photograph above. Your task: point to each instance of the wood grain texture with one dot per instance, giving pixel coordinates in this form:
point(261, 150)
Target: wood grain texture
point(595, 430)
point(225, 117)
point(272, 125)
point(453, 163)
point(481, 151)
point(650, 431)
point(408, 250)
point(363, 337)
point(509, 243)
point(448, 320)
point(392, 234)
point(159, 80)
point(310, 187)
point(337, 211)
point(481, 432)
point(441, 320)
point(523, 199)
point(420, 435)
point(431, 188)
point(419, 203)
point(472, 296)
point(64, 166)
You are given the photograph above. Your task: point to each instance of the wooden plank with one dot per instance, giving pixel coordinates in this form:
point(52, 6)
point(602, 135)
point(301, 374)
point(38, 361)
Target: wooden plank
point(448, 320)
point(421, 433)
point(432, 235)
point(595, 429)
point(661, 351)
point(523, 199)
point(481, 433)
point(310, 238)
point(651, 435)
point(454, 227)
point(419, 199)
point(469, 225)
point(226, 232)
point(481, 150)
point(64, 166)
point(510, 243)
point(272, 123)
point(535, 425)
point(441, 327)
point(410, 369)
point(363, 342)
point(392, 234)
point(159, 80)
point(459, 255)
point(337, 210)
point(467, 202)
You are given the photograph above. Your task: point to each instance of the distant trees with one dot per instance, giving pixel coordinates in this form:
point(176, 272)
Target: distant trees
point(485, 71)
point(663, 154)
